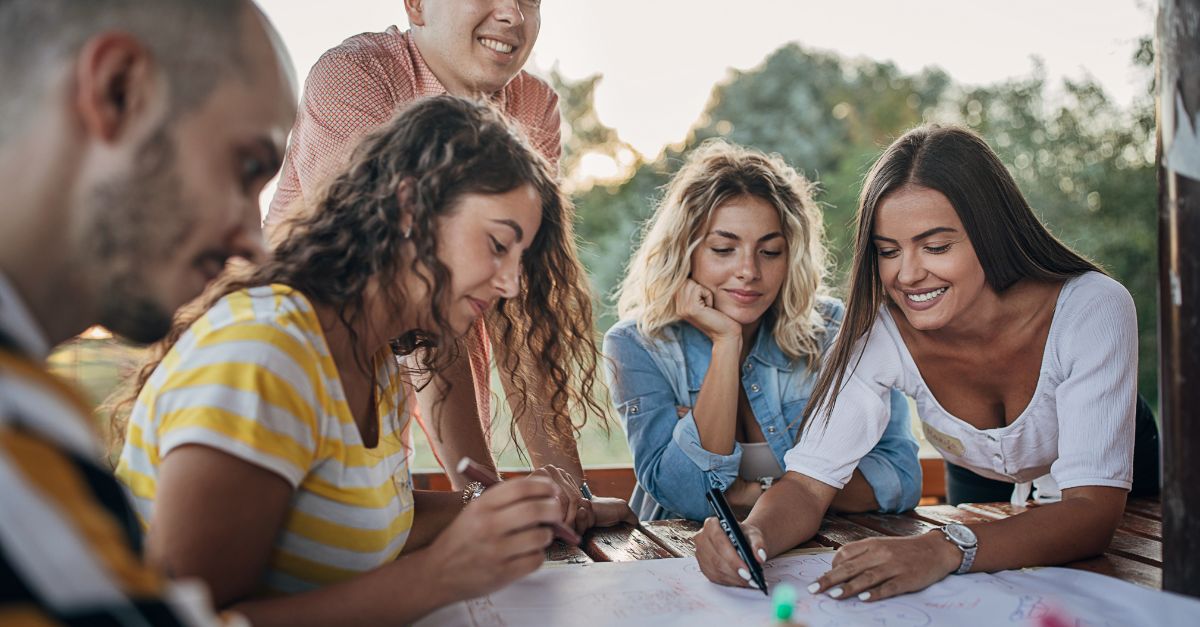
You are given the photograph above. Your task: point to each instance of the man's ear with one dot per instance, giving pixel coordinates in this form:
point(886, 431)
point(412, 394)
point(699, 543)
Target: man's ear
point(416, 12)
point(115, 84)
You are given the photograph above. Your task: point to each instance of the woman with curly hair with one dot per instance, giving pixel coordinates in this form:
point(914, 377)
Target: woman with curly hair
point(265, 448)
point(723, 323)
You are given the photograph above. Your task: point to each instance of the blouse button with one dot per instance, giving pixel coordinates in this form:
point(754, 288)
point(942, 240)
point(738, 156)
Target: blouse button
point(753, 387)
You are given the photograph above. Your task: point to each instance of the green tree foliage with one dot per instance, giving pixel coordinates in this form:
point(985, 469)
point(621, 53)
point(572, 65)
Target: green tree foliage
point(1085, 164)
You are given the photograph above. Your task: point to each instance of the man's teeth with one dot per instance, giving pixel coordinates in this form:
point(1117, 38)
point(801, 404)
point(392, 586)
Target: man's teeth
point(927, 296)
point(498, 46)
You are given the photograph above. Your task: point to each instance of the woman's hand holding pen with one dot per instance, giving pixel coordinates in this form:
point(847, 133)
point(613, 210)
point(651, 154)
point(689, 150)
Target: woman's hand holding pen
point(579, 513)
point(718, 559)
point(606, 511)
point(694, 303)
point(570, 497)
point(498, 538)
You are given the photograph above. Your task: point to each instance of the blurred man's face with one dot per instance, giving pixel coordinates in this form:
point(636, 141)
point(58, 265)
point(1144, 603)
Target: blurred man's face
point(475, 46)
point(189, 199)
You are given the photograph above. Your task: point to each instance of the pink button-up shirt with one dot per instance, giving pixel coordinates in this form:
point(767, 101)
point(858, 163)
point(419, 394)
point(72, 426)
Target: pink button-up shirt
point(357, 87)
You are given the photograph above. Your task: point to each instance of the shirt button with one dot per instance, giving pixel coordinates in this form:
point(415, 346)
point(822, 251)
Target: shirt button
point(771, 429)
point(748, 367)
point(753, 387)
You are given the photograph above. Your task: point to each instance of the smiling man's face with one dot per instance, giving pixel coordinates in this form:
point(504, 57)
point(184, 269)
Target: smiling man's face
point(475, 46)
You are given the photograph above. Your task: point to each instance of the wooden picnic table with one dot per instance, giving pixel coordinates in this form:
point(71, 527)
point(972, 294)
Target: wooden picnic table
point(1135, 554)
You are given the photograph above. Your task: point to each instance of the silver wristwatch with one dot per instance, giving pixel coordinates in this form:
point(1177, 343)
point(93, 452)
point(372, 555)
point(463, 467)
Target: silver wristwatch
point(963, 538)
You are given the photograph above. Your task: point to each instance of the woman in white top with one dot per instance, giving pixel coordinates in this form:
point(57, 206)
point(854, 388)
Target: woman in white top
point(1020, 353)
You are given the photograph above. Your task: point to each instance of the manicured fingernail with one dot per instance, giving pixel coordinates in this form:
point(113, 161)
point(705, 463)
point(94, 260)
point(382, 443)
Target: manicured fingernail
point(744, 574)
point(762, 555)
point(863, 596)
point(754, 585)
point(836, 592)
point(814, 587)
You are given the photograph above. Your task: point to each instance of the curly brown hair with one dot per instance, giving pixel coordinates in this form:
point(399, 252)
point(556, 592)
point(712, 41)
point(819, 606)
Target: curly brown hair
point(445, 147)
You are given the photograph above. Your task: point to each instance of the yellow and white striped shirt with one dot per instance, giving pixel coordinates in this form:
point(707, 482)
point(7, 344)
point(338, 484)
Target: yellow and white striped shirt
point(253, 378)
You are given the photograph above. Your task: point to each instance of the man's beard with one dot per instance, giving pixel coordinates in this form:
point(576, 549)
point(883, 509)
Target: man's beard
point(139, 222)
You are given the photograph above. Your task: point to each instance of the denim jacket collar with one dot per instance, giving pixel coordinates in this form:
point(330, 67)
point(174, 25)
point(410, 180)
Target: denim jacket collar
point(697, 350)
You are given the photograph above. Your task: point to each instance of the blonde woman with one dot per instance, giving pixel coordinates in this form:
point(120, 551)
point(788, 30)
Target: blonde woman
point(723, 323)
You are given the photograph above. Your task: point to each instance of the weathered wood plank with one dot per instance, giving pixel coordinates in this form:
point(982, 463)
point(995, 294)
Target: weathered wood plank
point(1122, 568)
point(996, 511)
point(946, 514)
point(1147, 508)
point(836, 531)
point(622, 543)
point(1136, 547)
point(674, 535)
point(560, 551)
point(890, 524)
point(1144, 527)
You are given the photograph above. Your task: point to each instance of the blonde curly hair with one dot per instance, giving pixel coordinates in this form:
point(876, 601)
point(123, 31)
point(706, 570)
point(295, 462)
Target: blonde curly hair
point(714, 174)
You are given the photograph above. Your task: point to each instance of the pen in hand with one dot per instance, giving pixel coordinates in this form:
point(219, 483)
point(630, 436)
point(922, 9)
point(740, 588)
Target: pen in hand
point(732, 529)
point(475, 471)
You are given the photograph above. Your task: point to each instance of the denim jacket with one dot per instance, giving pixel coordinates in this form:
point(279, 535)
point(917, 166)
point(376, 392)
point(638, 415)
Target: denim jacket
point(649, 377)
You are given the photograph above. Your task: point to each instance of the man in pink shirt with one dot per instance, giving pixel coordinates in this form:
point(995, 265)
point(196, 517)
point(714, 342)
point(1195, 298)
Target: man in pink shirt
point(469, 48)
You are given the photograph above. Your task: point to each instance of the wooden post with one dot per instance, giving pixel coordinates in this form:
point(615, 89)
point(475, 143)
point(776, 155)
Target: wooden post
point(1178, 152)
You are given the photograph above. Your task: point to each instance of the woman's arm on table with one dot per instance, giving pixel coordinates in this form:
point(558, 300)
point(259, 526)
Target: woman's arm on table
point(1079, 526)
point(497, 540)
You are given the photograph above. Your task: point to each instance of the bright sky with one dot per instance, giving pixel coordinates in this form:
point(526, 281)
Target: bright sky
point(661, 58)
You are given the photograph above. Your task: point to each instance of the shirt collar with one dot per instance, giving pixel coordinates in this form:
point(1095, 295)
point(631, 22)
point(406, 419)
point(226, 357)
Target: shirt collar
point(18, 323)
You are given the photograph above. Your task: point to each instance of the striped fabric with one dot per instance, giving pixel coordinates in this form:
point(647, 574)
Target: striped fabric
point(254, 379)
point(68, 540)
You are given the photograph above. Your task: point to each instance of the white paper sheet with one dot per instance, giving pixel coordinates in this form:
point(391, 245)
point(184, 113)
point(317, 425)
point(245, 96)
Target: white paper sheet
point(669, 592)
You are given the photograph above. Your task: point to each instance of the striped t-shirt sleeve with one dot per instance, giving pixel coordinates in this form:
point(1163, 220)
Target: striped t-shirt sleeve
point(246, 389)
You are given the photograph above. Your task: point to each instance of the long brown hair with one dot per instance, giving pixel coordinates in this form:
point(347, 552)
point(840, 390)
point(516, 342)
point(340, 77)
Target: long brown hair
point(444, 147)
point(1010, 241)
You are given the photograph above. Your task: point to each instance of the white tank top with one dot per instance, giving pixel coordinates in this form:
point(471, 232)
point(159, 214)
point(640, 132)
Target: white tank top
point(758, 461)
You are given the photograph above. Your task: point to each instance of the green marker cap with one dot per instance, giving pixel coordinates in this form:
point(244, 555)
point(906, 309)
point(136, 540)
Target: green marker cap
point(784, 602)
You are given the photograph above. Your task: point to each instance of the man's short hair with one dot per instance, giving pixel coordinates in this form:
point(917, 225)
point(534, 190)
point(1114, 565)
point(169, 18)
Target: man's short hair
point(194, 42)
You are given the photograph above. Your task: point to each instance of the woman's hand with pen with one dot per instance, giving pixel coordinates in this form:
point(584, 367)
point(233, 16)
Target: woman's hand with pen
point(579, 513)
point(718, 559)
point(498, 538)
point(570, 497)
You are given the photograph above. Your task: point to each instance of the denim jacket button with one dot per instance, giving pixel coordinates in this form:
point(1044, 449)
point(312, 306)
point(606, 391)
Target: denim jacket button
point(771, 429)
point(753, 387)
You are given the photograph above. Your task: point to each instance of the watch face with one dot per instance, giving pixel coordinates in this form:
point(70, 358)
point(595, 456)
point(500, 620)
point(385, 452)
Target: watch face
point(961, 534)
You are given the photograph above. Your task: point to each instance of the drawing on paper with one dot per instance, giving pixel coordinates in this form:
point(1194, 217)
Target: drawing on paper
point(673, 592)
